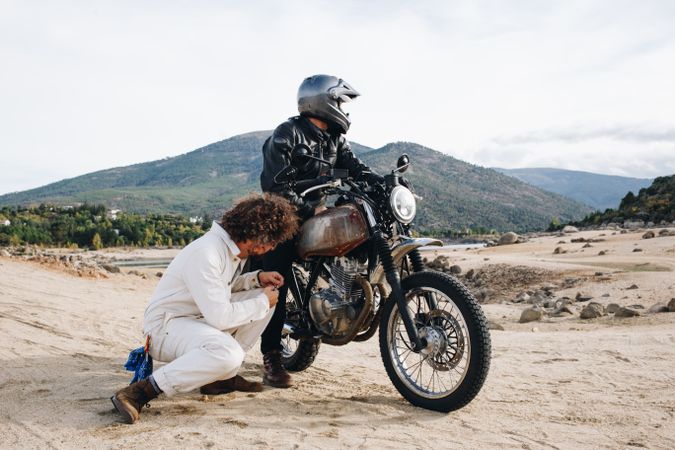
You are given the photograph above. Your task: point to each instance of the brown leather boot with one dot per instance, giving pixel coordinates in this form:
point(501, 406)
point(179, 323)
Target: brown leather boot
point(130, 400)
point(275, 373)
point(236, 383)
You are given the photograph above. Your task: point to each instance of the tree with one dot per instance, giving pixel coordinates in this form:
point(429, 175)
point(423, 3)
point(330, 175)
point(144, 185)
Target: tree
point(96, 242)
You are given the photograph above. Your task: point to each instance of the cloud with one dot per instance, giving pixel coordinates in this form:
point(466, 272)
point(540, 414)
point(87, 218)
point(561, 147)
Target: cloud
point(627, 133)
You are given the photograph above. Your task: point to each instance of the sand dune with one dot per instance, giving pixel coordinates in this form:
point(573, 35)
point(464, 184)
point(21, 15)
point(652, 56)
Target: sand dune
point(556, 383)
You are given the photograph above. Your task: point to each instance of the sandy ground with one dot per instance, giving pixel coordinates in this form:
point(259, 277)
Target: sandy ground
point(559, 383)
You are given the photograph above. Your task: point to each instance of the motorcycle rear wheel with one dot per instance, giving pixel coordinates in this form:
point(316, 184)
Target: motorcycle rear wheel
point(451, 370)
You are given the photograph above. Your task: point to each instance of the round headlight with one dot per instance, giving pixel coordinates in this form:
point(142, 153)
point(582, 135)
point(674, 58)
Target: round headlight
point(403, 204)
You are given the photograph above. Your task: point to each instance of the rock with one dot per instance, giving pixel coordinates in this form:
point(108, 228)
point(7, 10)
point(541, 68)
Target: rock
point(548, 287)
point(587, 245)
point(494, 326)
point(110, 268)
point(582, 297)
point(578, 240)
point(531, 315)
point(592, 311)
point(605, 295)
point(636, 306)
point(626, 312)
point(648, 235)
point(5, 253)
point(562, 242)
point(671, 305)
point(658, 308)
point(635, 250)
point(470, 274)
point(522, 297)
point(602, 253)
point(631, 287)
point(558, 251)
point(508, 238)
point(159, 274)
point(633, 225)
point(664, 232)
point(612, 308)
point(570, 229)
point(455, 269)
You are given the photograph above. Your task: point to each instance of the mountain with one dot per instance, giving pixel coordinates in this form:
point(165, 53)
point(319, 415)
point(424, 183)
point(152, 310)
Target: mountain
point(205, 181)
point(655, 203)
point(596, 190)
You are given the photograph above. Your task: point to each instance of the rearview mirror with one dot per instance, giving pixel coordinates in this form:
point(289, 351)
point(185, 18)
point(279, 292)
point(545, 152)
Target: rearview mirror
point(403, 163)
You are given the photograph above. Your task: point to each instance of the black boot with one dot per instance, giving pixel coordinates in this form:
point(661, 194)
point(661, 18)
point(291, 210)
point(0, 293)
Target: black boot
point(130, 400)
point(275, 373)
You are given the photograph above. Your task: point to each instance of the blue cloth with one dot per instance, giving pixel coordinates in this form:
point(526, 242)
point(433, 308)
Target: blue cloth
point(139, 362)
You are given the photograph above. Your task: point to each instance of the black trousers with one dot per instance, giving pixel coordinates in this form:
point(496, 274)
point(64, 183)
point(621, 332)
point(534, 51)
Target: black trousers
point(278, 260)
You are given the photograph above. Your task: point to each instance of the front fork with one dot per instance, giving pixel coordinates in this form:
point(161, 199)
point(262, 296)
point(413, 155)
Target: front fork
point(391, 273)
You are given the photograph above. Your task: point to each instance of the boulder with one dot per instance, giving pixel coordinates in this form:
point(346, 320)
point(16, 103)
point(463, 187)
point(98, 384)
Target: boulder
point(522, 297)
point(558, 251)
point(648, 235)
point(508, 238)
point(592, 311)
point(658, 308)
point(570, 229)
point(636, 250)
point(110, 268)
point(492, 325)
point(455, 269)
point(583, 297)
point(470, 274)
point(671, 305)
point(5, 253)
point(631, 287)
point(602, 253)
point(587, 245)
point(531, 315)
point(626, 312)
point(612, 308)
point(664, 232)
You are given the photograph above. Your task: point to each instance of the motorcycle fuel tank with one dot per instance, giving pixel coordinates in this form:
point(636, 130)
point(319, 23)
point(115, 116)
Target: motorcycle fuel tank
point(334, 232)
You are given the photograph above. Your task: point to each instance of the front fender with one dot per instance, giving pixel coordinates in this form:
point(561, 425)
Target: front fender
point(398, 252)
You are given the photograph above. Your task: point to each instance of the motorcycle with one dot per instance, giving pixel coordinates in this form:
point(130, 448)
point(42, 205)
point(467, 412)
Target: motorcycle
point(360, 269)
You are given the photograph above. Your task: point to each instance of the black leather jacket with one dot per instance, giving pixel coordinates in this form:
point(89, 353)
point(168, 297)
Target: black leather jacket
point(331, 147)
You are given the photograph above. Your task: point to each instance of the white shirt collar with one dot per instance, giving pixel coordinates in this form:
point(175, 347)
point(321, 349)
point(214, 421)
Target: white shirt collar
point(224, 235)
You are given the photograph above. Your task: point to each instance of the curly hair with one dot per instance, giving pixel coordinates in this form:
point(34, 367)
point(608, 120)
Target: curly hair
point(265, 219)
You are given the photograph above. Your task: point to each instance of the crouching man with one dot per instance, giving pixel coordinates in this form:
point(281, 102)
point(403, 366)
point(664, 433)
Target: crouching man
point(205, 314)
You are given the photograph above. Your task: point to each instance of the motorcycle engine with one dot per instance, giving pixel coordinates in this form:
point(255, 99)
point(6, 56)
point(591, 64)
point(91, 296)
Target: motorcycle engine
point(335, 308)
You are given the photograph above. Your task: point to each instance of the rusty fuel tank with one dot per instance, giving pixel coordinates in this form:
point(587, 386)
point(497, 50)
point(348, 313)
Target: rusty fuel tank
point(334, 232)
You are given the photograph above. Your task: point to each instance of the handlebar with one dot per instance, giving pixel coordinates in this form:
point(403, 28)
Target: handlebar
point(331, 184)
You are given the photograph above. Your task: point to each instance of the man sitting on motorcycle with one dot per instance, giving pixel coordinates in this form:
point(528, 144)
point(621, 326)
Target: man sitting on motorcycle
point(321, 126)
point(205, 314)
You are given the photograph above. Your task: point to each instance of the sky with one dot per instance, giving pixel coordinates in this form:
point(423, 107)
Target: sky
point(581, 85)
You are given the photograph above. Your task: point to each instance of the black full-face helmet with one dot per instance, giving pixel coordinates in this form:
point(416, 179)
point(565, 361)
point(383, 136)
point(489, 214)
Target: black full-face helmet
point(322, 96)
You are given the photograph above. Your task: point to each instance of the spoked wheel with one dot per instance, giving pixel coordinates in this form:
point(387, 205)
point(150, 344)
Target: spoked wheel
point(297, 354)
point(450, 371)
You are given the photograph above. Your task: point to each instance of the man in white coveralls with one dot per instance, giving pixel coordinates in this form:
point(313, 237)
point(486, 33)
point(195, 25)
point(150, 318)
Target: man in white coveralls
point(204, 314)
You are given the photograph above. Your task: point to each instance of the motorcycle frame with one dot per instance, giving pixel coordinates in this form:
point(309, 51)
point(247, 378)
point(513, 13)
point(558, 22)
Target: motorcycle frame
point(377, 276)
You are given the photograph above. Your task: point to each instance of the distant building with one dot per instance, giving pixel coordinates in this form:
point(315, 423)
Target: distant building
point(6, 222)
point(113, 213)
point(196, 219)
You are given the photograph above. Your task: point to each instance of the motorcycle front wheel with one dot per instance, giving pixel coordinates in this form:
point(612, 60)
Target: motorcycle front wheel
point(450, 371)
point(297, 354)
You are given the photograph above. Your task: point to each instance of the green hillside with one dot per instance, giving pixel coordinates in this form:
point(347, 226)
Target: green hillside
point(655, 203)
point(205, 181)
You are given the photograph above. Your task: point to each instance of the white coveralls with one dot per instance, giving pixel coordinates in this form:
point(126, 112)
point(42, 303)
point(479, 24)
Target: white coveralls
point(203, 316)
